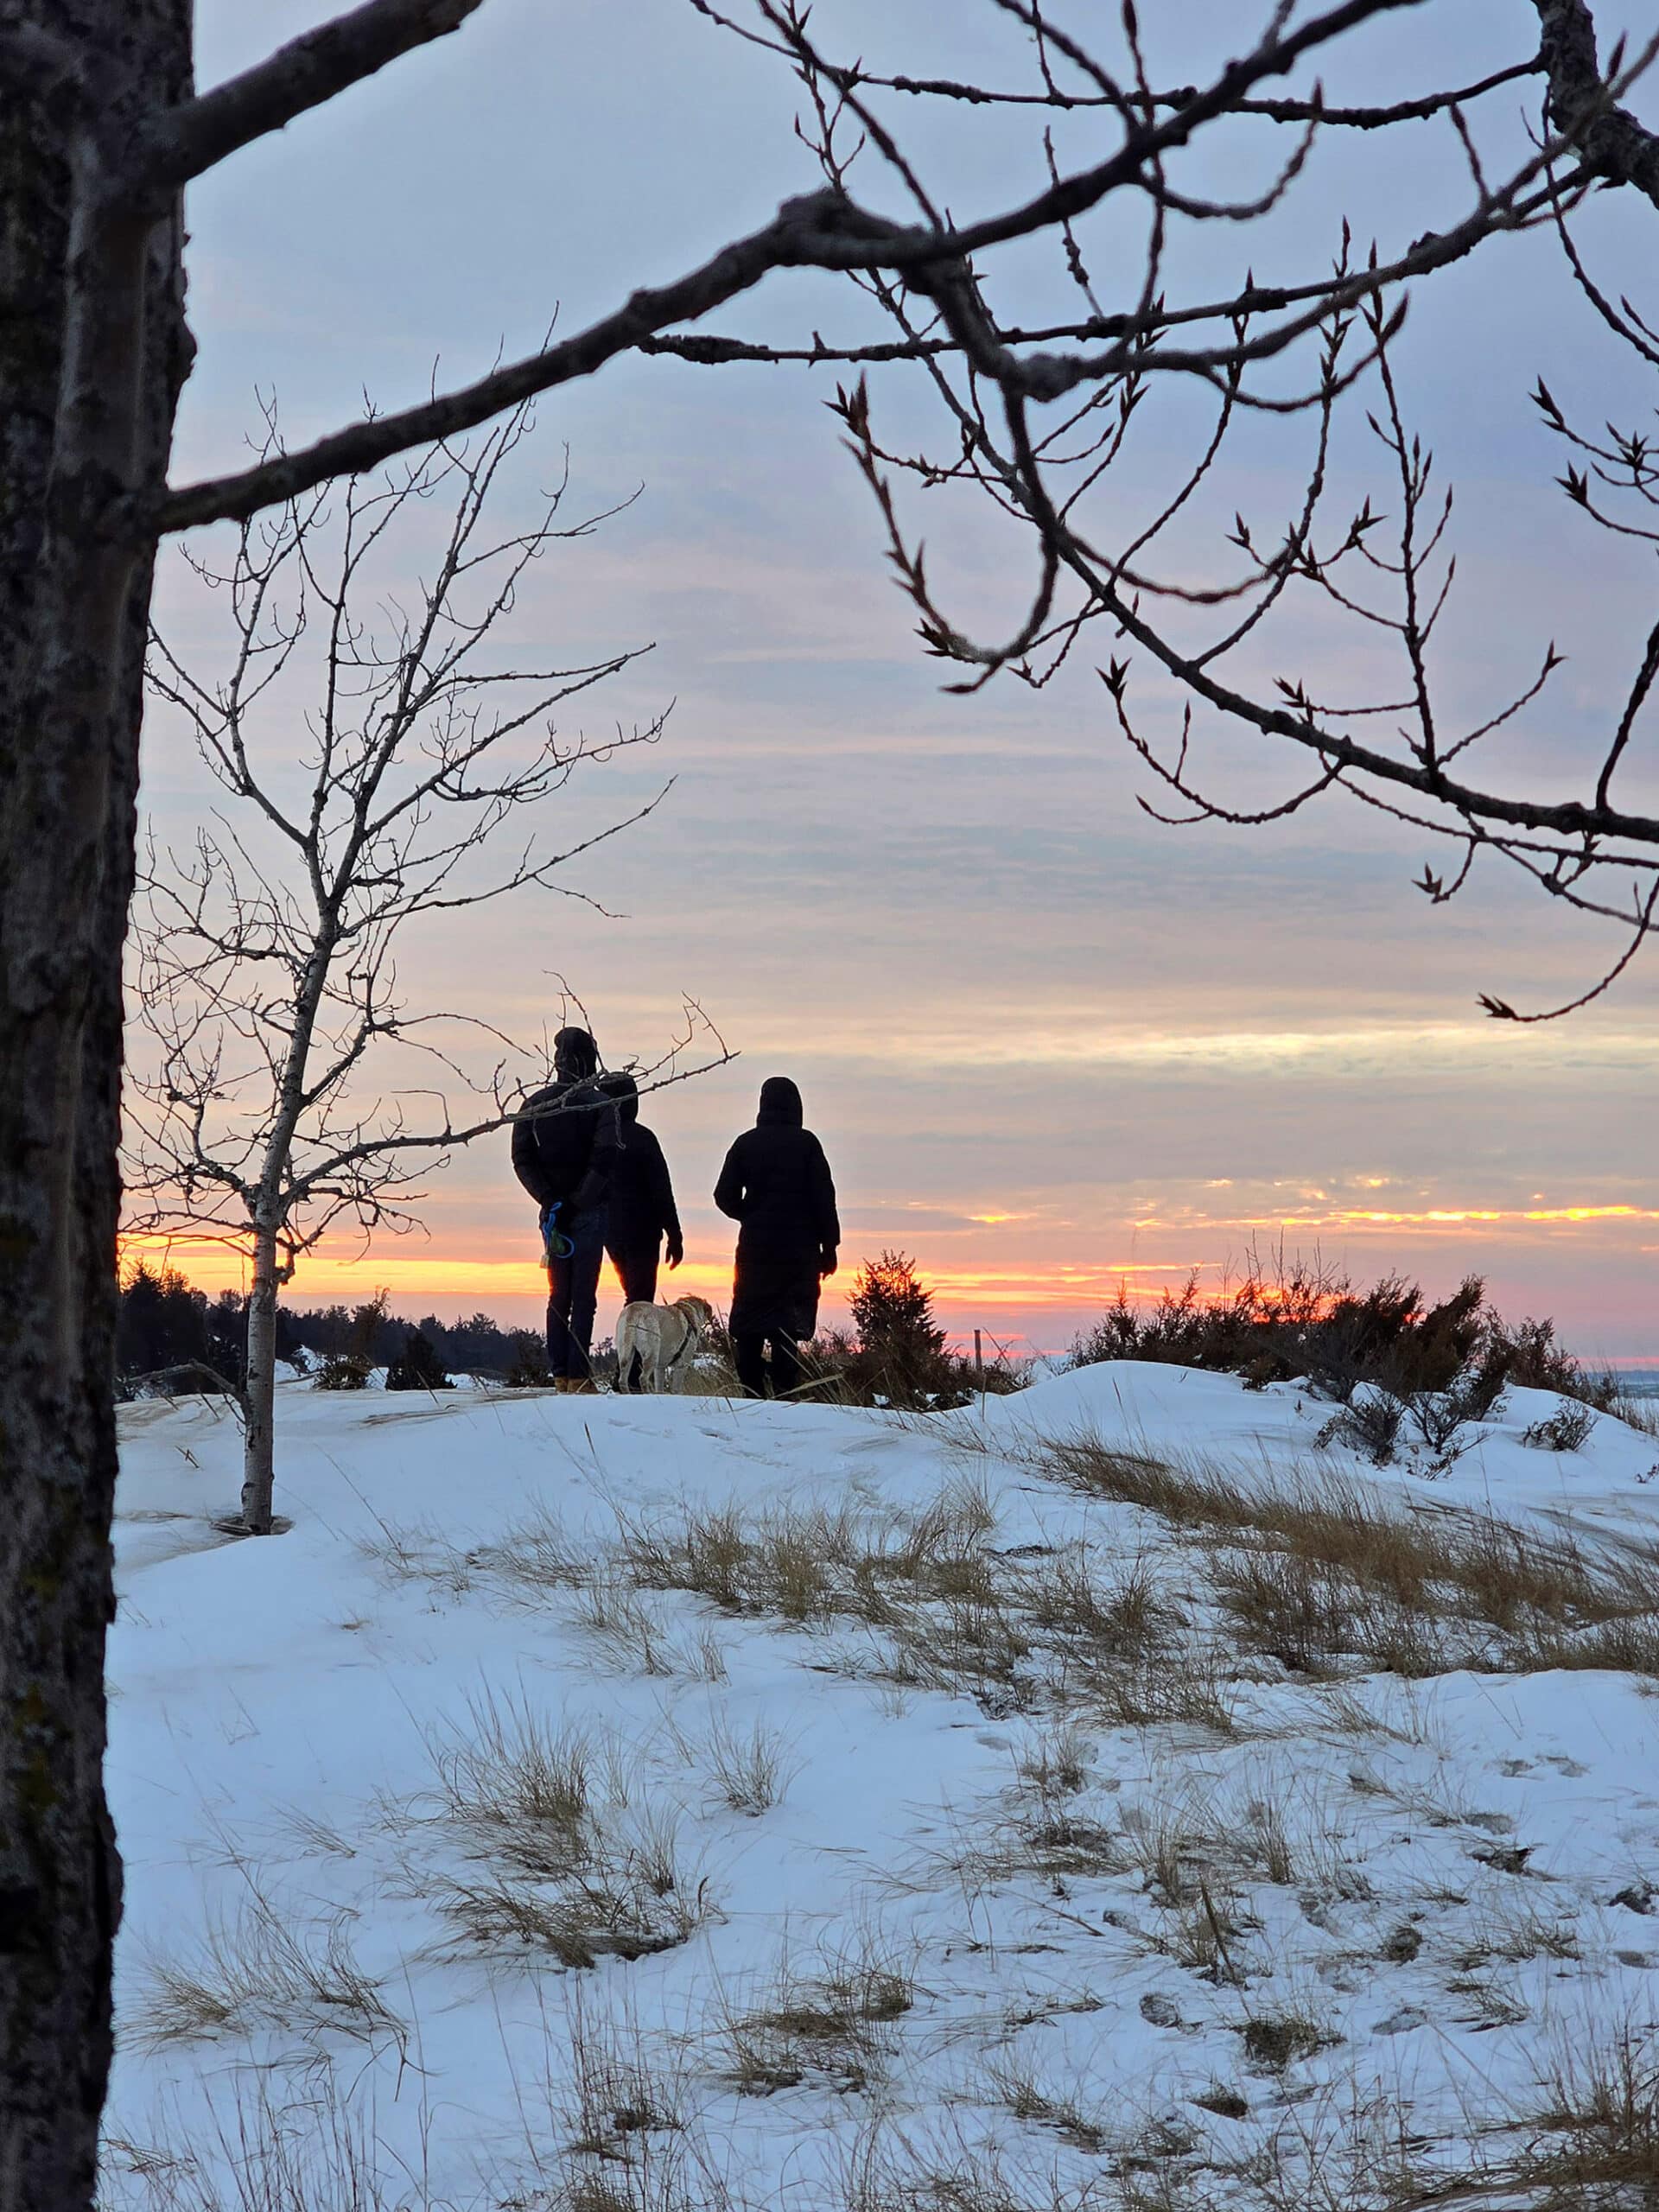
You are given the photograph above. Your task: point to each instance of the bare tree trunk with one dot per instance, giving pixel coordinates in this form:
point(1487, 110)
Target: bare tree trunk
point(92, 355)
point(259, 1400)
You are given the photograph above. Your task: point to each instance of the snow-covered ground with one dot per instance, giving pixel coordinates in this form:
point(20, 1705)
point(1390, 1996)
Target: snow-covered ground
point(946, 1830)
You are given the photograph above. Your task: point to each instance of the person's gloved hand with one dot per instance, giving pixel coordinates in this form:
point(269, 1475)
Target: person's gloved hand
point(828, 1259)
point(675, 1250)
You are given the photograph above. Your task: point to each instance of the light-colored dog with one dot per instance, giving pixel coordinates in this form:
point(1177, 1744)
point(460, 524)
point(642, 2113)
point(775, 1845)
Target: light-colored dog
point(667, 1338)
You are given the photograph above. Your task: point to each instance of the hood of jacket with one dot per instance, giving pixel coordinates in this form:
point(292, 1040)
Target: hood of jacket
point(575, 1054)
point(780, 1104)
point(625, 1091)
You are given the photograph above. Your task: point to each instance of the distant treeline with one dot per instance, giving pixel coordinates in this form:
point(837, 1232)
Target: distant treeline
point(166, 1326)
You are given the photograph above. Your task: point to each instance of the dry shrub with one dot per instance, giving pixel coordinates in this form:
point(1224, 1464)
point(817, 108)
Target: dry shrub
point(1567, 1429)
point(1528, 1355)
point(1367, 1425)
point(1290, 1319)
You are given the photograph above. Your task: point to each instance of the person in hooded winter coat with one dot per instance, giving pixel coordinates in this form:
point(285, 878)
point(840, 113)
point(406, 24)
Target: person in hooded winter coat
point(776, 1185)
point(640, 1215)
point(566, 1143)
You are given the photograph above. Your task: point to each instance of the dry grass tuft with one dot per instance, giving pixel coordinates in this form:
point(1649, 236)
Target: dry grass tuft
point(1123, 1620)
point(265, 1969)
point(948, 1616)
point(1054, 1762)
point(781, 1562)
point(1267, 1841)
point(628, 1899)
point(1204, 1934)
point(518, 1788)
point(1309, 1615)
point(1597, 2138)
point(261, 2154)
point(616, 2094)
point(419, 1552)
point(751, 1772)
point(979, 1644)
point(568, 1864)
point(536, 1555)
point(1316, 1570)
point(1275, 2041)
point(1639, 1414)
point(1016, 2084)
point(831, 2027)
point(1184, 1689)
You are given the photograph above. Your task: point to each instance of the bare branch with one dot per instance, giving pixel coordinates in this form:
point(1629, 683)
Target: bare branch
point(306, 73)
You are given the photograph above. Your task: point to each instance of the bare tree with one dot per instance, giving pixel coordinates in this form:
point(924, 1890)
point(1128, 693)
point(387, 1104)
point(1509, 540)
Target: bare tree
point(266, 971)
point(103, 135)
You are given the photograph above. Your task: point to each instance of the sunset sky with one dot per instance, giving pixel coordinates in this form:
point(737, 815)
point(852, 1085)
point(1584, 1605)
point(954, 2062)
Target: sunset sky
point(1049, 1044)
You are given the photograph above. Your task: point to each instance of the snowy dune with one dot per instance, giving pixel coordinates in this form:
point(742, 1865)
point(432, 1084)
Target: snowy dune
point(948, 1825)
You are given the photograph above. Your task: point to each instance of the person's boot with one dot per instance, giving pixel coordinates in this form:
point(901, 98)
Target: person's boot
point(561, 1384)
point(583, 1386)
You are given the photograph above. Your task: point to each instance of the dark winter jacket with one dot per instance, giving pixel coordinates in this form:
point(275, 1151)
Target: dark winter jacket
point(776, 1185)
point(639, 1210)
point(568, 1156)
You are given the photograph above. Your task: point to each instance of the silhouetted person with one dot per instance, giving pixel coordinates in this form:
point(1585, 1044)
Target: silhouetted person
point(776, 1185)
point(641, 1213)
point(565, 1147)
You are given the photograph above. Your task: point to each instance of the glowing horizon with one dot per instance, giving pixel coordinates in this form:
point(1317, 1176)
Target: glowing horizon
point(492, 1270)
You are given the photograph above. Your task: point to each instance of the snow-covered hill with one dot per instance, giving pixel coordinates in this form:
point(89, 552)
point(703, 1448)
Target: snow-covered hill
point(671, 1803)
